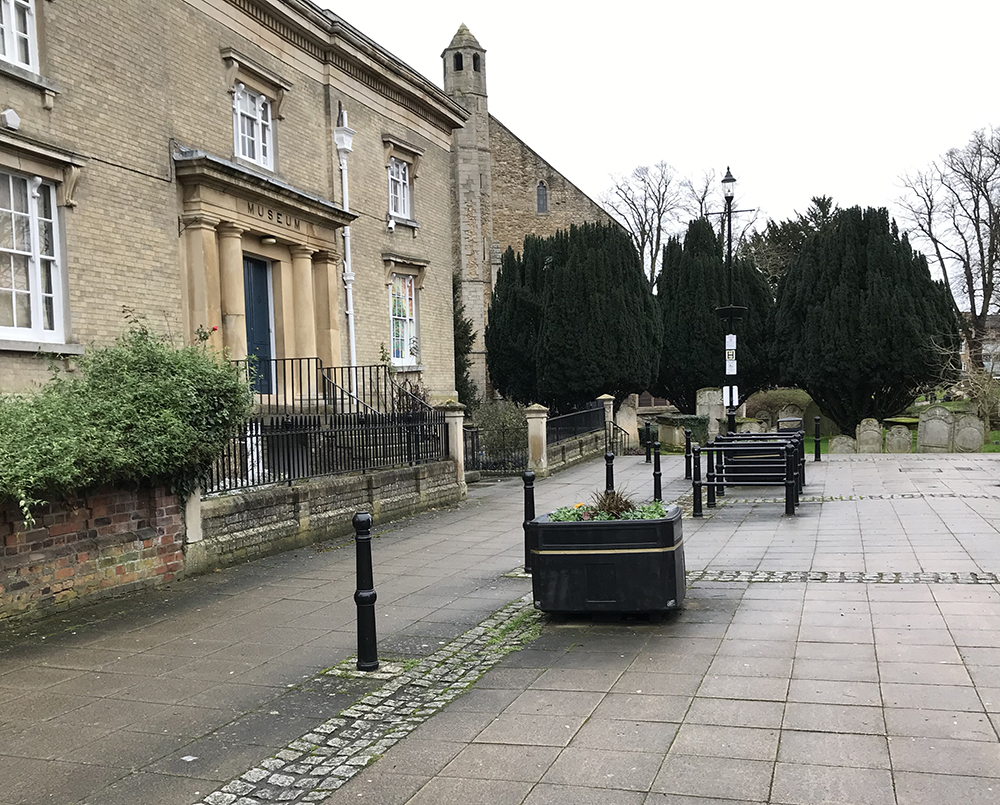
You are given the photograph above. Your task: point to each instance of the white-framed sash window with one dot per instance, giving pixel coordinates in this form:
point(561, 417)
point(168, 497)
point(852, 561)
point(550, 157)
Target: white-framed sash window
point(18, 44)
point(403, 319)
point(399, 188)
point(253, 134)
point(31, 297)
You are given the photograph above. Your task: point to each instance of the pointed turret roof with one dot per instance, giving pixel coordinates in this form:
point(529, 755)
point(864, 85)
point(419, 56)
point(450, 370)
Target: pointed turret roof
point(464, 39)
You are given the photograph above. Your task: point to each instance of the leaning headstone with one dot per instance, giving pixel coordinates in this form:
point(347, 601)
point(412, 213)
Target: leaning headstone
point(626, 419)
point(869, 436)
point(708, 402)
point(789, 411)
point(842, 444)
point(969, 433)
point(899, 439)
point(935, 430)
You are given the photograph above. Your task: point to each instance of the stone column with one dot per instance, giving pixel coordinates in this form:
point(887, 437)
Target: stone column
point(305, 307)
point(202, 253)
point(327, 295)
point(538, 454)
point(454, 417)
point(234, 312)
point(609, 408)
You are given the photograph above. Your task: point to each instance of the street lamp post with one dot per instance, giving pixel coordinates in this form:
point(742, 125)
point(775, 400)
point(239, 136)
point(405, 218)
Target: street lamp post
point(730, 313)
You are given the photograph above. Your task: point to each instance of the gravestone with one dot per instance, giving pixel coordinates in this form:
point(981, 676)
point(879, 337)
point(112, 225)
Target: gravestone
point(969, 433)
point(935, 430)
point(790, 410)
point(626, 418)
point(842, 444)
point(899, 439)
point(869, 436)
point(708, 402)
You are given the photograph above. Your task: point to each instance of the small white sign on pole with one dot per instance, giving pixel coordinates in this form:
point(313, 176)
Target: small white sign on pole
point(730, 367)
point(731, 341)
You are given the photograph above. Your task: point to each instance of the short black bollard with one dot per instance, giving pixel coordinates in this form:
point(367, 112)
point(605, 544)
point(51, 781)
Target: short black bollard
point(710, 474)
point(790, 492)
point(529, 515)
point(687, 454)
point(609, 472)
point(816, 441)
point(365, 595)
point(657, 475)
point(649, 436)
point(696, 485)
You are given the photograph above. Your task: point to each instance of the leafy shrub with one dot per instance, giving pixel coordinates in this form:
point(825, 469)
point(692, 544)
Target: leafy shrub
point(502, 426)
point(609, 506)
point(767, 404)
point(138, 412)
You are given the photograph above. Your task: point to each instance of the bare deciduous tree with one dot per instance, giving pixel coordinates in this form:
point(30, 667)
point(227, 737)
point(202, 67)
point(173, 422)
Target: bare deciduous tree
point(953, 209)
point(646, 203)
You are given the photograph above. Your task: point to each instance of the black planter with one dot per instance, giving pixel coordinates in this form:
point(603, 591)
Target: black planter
point(607, 566)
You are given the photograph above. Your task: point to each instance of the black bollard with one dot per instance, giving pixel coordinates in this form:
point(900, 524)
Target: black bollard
point(816, 441)
point(696, 484)
point(365, 595)
point(529, 515)
point(649, 435)
point(609, 472)
point(710, 474)
point(687, 454)
point(657, 475)
point(789, 479)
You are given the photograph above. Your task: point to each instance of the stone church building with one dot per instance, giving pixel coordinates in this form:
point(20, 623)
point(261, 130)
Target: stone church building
point(503, 188)
point(259, 171)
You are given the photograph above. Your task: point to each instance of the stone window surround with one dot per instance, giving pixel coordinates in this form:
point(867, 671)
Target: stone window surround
point(417, 268)
point(259, 80)
point(542, 197)
point(396, 148)
point(63, 170)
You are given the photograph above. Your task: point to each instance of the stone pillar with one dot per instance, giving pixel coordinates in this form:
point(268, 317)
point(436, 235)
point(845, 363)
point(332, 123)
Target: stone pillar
point(202, 252)
point(609, 408)
point(305, 307)
point(234, 313)
point(192, 517)
point(538, 453)
point(454, 417)
point(327, 294)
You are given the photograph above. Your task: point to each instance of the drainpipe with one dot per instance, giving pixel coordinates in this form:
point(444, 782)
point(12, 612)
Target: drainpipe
point(343, 137)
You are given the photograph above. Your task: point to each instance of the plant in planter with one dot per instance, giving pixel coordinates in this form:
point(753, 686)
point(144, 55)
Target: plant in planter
point(609, 556)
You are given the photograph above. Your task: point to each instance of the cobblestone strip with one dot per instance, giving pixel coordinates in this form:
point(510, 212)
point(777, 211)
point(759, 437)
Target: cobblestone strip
point(835, 498)
point(322, 760)
point(799, 576)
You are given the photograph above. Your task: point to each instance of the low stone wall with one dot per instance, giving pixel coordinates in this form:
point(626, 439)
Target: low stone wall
point(257, 522)
point(572, 451)
point(108, 542)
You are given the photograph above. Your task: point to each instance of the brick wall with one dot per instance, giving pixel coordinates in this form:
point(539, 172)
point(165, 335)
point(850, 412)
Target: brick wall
point(108, 542)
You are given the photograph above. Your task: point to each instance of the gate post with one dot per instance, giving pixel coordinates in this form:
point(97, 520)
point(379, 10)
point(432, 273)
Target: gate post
point(538, 454)
point(454, 416)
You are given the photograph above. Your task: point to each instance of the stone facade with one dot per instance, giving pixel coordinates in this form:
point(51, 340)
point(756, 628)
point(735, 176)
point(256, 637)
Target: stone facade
point(503, 190)
point(160, 217)
point(107, 543)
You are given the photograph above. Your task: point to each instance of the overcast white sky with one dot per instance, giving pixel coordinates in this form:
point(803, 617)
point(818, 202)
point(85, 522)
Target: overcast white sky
point(799, 98)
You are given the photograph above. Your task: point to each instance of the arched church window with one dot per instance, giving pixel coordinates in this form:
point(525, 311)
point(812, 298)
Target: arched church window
point(543, 197)
point(475, 62)
point(458, 62)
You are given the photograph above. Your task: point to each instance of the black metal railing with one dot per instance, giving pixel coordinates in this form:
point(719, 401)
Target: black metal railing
point(496, 451)
point(310, 420)
point(616, 439)
point(578, 423)
point(282, 449)
point(286, 385)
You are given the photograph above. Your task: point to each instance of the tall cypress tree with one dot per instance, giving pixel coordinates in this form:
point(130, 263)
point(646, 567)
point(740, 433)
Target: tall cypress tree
point(572, 318)
point(860, 324)
point(692, 284)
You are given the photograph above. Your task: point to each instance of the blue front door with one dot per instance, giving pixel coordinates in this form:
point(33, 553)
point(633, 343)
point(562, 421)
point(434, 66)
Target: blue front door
point(258, 306)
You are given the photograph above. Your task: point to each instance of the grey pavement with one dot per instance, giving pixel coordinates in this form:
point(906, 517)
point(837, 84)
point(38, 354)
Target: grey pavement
point(861, 664)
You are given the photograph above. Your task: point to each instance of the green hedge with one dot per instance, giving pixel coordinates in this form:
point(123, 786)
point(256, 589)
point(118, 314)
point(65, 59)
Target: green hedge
point(139, 412)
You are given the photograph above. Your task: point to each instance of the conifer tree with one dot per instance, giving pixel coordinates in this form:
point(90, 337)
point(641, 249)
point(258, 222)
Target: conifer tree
point(860, 324)
point(465, 337)
point(692, 284)
point(572, 318)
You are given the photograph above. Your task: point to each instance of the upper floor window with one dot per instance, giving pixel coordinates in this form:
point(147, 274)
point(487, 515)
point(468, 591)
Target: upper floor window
point(252, 127)
point(31, 297)
point(542, 197)
point(399, 188)
point(403, 319)
point(17, 26)
point(475, 62)
point(458, 62)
